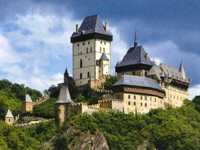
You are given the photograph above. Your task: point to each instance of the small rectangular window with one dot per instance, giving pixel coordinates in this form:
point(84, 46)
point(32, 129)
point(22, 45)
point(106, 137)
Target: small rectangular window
point(129, 96)
point(88, 74)
point(81, 76)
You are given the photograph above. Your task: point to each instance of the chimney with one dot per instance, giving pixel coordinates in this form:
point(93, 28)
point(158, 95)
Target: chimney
point(76, 27)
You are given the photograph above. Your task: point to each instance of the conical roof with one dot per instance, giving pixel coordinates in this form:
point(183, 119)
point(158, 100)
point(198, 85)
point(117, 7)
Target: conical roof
point(9, 114)
point(104, 57)
point(64, 95)
point(28, 98)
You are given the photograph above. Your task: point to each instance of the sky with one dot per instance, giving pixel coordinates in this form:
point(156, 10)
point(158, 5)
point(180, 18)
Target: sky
point(35, 35)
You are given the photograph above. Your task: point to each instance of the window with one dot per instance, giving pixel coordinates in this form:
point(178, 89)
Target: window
point(104, 50)
point(134, 103)
point(100, 49)
point(134, 97)
point(145, 97)
point(141, 104)
point(104, 42)
point(81, 63)
point(87, 50)
point(155, 99)
point(129, 103)
point(88, 42)
point(81, 76)
point(145, 104)
point(78, 45)
point(83, 43)
point(101, 41)
point(129, 96)
point(141, 97)
point(91, 49)
point(88, 74)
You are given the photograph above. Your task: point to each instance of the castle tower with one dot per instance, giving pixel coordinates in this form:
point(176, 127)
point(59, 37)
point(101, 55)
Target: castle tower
point(63, 102)
point(90, 41)
point(9, 118)
point(104, 65)
point(28, 104)
point(136, 62)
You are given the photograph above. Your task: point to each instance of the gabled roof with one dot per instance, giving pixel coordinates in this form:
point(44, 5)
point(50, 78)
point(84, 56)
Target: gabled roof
point(138, 81)
point(91, 27)
point(28, 98)
point(164, 70)
point(64, 95)
point(104, 57)
point(134, 56)
point(9, 114)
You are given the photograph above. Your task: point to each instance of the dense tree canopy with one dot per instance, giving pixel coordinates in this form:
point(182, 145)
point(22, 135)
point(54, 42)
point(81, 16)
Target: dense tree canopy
point(162, 129)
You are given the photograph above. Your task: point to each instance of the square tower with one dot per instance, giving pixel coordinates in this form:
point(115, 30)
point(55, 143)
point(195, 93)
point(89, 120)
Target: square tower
point(91, 41)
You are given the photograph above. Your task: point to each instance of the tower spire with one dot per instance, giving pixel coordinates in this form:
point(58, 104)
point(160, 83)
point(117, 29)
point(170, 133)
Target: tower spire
point(135, 39)
point(66, 76)
point(182, 70)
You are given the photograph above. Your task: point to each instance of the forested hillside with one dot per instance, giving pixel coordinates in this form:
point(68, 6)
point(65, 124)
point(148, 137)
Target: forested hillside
point(170, 129)
point(12, 95)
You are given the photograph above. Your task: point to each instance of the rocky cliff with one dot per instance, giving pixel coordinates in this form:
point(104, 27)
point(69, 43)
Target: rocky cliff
point(73, 139)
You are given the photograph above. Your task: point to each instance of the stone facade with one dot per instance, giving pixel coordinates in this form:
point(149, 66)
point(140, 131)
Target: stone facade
point(27, 105)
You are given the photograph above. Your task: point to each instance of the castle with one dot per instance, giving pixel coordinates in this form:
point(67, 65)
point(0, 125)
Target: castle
point(142, 85)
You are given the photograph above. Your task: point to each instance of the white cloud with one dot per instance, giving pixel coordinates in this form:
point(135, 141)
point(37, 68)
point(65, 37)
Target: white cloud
point(119, 47)
point(7, 55)
point(30, 53)
point(194, 91)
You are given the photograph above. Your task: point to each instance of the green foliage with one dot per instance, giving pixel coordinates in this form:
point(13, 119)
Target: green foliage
point(161, 129)
point(25, 138)
point(61, 143)
point(196, 100)
point(109, 82)
point(8, 102)
point(18, 90)
point(46, 109)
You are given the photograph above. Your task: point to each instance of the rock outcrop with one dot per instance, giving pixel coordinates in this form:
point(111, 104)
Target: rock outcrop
point(73, 139)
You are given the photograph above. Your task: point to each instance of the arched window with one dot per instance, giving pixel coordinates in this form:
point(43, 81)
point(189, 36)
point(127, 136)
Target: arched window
point(81, 63)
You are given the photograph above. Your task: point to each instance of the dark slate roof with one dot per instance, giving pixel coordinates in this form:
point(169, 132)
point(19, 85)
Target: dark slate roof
point(134, 56)
point(138, 81)
point(104, 57)
point(92, 25)
point(164, 70)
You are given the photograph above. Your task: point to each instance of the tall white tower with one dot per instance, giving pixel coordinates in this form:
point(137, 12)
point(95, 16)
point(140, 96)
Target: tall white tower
point(91, 42)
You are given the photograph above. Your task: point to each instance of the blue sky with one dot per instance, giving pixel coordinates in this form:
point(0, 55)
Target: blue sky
point(35, 35)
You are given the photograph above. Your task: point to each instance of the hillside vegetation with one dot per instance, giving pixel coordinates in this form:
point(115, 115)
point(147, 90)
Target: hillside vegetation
point(12, 95)
point(168, 129)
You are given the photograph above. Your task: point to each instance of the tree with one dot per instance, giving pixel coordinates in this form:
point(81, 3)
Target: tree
point(109, 82)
